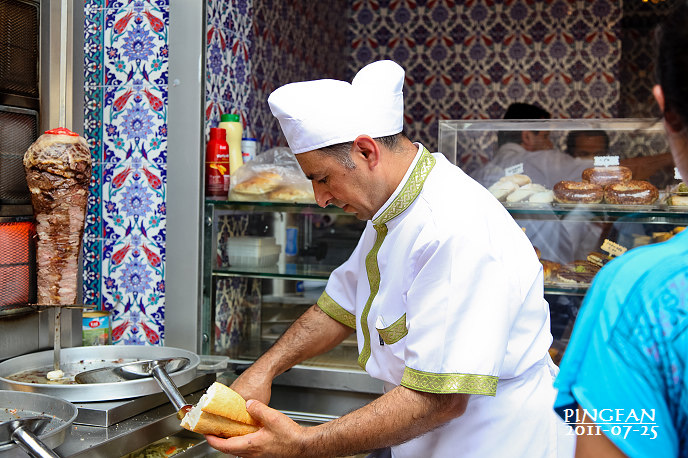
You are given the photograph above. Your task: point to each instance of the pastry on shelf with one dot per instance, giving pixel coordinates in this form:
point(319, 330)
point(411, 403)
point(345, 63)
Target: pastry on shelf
point(634, 192)
point(550, 269)
point(604, 176)
point(580, 272)
point(578, 192)
point(598, 259)
point(678, 196)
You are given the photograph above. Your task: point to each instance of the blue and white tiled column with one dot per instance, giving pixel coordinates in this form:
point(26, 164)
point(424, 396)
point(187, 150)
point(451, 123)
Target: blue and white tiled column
point(126, 61)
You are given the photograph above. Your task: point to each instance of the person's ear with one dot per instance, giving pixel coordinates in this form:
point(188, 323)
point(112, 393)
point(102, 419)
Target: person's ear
point(365, 147)
point(671, 119)
point(659, 96)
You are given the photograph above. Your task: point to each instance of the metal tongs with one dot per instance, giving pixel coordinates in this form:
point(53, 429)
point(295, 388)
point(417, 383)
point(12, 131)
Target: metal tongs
point(24, 431)
point(159, 369)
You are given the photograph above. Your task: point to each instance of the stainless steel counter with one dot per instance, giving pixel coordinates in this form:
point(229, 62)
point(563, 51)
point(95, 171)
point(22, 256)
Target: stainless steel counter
point(140, 422)
point(320, 401)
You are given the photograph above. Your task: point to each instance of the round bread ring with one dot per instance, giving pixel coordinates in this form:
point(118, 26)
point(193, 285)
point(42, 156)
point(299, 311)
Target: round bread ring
point(634, 192)
point(604, 176)
point(577, 192)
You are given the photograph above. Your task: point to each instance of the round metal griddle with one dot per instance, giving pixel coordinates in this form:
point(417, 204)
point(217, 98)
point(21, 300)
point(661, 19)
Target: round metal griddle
point(15, 404)
point(80, 359)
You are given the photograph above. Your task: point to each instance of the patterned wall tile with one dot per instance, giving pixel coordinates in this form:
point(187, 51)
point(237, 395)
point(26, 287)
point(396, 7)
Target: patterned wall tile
point(126, 126)
point(469, 60)
point(638, 50)
point(137, 123)
point(294, 40)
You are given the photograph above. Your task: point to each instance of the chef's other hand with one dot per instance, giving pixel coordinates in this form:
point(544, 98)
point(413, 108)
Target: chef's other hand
point(280, 436)
point(253, 384)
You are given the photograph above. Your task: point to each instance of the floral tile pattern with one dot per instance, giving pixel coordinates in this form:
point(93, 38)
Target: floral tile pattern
point(294, 40)
point(228, 66)
point(252, 48)
point(469, 60)
point(126, 126)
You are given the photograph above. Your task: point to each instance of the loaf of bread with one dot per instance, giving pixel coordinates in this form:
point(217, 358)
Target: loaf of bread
point(292, 194)
point(221, 412)
point(260, 183)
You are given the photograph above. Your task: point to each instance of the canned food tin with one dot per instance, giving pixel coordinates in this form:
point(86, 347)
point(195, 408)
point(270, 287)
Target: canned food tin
point(96, 328)
point(249, 149)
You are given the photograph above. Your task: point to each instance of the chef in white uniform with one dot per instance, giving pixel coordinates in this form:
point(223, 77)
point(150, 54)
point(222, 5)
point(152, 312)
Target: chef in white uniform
point(443, 291)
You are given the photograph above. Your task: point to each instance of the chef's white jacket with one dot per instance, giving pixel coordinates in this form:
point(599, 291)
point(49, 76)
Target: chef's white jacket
point(446, 295)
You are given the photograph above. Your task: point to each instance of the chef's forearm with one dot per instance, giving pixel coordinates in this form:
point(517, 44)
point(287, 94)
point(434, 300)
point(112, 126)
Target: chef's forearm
point(393, 418)
point(311, 334)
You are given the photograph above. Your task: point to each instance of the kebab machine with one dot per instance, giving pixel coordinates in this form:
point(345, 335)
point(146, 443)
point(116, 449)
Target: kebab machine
point(110, 416)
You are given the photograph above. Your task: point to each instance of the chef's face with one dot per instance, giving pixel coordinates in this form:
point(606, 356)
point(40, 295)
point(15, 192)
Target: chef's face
point(350, 189)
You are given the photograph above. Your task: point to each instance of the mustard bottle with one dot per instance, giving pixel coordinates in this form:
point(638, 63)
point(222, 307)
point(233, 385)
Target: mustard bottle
point(231, 123)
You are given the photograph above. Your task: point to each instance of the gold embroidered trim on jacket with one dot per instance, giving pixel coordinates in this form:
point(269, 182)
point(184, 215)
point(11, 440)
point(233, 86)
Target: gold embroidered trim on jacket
point(411, 188)
point(336, 311)
point(394, 332)
point(449, 383)
point(373, 271)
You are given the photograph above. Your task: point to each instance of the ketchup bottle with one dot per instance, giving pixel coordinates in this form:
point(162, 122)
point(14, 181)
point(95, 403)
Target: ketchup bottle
point(217, 165)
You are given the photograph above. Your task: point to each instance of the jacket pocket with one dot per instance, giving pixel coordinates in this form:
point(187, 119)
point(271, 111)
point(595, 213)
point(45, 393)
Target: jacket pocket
point(393, 333)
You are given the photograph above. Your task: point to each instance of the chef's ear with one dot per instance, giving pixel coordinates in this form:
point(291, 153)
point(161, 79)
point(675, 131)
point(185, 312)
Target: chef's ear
point(368, 149)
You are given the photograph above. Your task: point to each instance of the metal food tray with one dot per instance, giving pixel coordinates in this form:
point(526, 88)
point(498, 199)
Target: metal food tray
point(79, 359)
point(14, 404)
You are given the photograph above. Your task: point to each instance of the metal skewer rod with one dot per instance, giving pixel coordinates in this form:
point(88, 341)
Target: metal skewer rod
point(63, 64)
point(57, 343)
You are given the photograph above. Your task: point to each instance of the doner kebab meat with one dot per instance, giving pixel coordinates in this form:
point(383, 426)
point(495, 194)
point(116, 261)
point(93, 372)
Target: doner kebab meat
point(58, 171)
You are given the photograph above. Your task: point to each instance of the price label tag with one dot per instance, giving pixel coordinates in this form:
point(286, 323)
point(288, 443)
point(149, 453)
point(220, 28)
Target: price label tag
point(514, 169)
point(614, 249)
point(605, 161)
point(677, 174)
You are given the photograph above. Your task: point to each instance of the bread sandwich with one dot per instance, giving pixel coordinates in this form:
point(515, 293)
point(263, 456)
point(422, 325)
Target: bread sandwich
point(221, 412)
point(260, 183)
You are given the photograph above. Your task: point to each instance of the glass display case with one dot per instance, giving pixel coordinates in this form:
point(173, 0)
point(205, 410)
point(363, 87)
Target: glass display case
point(586, 193)
point(265, 263)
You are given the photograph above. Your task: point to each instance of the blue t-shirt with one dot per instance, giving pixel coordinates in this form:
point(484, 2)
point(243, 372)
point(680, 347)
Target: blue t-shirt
point(629, 350)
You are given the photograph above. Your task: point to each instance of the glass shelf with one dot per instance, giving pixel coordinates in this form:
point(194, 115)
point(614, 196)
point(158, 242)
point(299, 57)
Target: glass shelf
point(246, 206)
point(600, 212)
point(560, 290)
point(286, 272)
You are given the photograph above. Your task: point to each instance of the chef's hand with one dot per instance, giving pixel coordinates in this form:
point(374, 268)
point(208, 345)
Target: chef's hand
point(280, 436)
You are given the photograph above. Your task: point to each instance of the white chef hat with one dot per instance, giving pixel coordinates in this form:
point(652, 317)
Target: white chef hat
point(315, 114)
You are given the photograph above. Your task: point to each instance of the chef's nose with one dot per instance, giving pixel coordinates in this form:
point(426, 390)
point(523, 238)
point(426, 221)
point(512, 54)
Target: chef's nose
point(322, 197)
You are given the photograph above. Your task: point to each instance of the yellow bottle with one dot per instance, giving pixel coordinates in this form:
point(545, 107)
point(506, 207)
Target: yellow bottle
point(231, 123)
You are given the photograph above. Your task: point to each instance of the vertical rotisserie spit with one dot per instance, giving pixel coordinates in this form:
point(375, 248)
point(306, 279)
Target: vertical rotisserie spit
point(58, 171)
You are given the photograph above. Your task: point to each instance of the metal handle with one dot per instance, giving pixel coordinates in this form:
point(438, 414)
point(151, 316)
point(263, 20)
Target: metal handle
point(31, 444)
point(168, 386)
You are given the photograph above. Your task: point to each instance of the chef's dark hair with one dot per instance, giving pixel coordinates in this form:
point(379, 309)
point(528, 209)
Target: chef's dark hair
point(672, 66)
point(342, 151)
point(520, 111)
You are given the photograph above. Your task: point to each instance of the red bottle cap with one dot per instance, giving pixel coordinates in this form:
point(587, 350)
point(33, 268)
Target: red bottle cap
point(216, 133)
point(61, 131)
